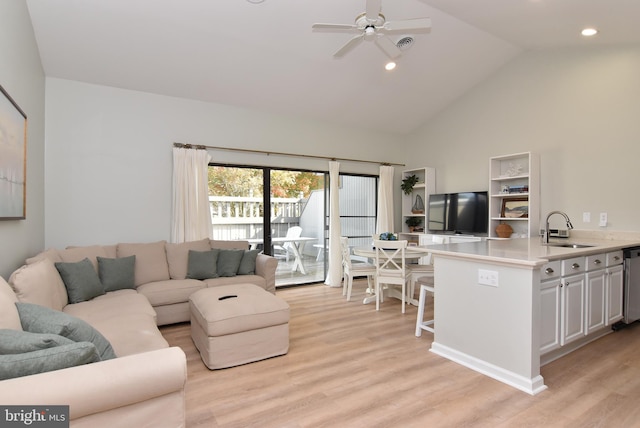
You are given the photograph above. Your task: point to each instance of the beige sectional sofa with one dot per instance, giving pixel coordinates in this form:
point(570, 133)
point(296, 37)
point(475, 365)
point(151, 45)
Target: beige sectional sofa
point(144, 385)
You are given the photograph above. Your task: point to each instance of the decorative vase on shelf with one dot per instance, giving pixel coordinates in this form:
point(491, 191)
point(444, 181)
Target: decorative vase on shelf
point(418, 206)
point(503, 230)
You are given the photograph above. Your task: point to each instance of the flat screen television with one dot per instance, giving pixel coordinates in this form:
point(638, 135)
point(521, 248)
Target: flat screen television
point(458, 213)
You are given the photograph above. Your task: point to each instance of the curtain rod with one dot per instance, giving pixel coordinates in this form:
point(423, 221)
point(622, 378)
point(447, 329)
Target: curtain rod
point(262, 152)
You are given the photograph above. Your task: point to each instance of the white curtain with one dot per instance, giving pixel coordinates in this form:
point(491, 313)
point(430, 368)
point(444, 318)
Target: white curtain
point(385, 200)
point(334, 277)
point(191, 214)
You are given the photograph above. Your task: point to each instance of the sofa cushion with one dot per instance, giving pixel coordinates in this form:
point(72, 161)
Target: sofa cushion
point(39, 283)
point(151, 261)
point(171, 291)
point(203, 264)
point(229, 262)
point(125, 318)
point(111, 305)
point(39, 319)
point(9, 317)
point(239, 279)
point(178, 254)
point(75, 254)
point(19, 341)
point(248, 262)
point(117, 273)
point(229, 245)
point(81, 280)
point(133, 334)
point(46, 360)
point(51, 254)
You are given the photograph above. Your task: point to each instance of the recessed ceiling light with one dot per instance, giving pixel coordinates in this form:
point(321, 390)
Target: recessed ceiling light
point(588, 32)
point(390, 66)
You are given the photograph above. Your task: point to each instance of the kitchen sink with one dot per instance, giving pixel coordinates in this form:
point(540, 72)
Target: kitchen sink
point(571, 245)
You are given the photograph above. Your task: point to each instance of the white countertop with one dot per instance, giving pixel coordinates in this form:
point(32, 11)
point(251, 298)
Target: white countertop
point(527, 251)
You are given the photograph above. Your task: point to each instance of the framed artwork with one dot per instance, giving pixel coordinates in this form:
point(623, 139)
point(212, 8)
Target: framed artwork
point(13, 159)
point(515, 208)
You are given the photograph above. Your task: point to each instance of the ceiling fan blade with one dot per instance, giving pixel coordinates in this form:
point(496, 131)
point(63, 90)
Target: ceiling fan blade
point(408, 24)
point(349, 45)
point(373, 9)
point(388, 47)
point(321, 26)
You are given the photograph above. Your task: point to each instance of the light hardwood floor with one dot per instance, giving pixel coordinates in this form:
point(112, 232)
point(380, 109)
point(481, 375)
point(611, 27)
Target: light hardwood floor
point(350, 366)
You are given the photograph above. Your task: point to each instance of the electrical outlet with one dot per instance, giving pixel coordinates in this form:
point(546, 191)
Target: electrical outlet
point(488, 277)
point(586, 217)
point(603, 220)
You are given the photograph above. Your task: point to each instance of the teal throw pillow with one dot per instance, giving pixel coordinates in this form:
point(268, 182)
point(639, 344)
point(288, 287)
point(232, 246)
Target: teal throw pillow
point(229, 262)
point(40, 319)
point(18, 341)
point(202, 264)
point(117, 274)
point(248, 262)
point(46, 360)
point(81, 280)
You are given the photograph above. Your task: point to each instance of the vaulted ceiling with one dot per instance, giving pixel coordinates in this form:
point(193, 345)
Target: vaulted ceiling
point(263, 54)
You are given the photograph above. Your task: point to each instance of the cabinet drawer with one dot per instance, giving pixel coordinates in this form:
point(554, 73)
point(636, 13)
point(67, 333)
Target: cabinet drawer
point(550, 270)
point(573, 265)
point(596, 261)
point(614, 258)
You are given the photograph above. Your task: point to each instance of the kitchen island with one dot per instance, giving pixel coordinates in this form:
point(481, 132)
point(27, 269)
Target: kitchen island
point(488, 303)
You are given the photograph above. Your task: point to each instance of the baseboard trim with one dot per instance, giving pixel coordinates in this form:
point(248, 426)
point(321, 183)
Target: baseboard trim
point(531, 386)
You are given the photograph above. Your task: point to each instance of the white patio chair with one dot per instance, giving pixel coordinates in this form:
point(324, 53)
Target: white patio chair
point(286, 248)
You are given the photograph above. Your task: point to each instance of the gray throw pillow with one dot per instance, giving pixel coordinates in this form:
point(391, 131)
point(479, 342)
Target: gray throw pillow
point(81, 280)
point(229, 262)
point(248, 262)
point(117, 274)
point(46, 360)
point(40, 319)
point(18, 341)
point(202, 264)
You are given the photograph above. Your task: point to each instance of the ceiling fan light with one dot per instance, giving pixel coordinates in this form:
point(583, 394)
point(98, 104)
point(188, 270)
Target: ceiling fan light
point(588, 32)
point(390, 66)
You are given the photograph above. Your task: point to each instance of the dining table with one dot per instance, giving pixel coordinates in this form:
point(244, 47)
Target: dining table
point(296, 248)
point(410, 253)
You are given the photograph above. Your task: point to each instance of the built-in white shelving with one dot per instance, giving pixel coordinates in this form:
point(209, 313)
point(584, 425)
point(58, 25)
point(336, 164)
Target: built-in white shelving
point(514, 194)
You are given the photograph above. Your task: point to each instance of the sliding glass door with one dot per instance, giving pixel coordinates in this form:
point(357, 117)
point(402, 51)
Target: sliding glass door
point(285, 213)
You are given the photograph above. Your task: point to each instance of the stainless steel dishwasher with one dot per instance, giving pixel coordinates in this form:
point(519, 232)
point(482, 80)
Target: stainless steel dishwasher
point(631, 285)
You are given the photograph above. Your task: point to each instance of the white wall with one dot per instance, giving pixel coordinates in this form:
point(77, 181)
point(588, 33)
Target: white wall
point(108, 175)
point(579, 109)
point(22, 77)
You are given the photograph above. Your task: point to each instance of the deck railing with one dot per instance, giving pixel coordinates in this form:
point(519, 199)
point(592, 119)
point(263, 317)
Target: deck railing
point(239, 217)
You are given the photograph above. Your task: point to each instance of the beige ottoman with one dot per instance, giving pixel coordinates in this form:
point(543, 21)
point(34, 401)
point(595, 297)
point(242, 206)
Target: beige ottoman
point(238, 324)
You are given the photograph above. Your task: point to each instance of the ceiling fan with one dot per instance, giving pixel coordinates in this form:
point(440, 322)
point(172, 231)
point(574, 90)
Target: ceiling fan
point(372, 25)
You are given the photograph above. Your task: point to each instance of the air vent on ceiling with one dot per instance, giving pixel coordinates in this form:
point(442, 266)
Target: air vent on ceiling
point(404, 43)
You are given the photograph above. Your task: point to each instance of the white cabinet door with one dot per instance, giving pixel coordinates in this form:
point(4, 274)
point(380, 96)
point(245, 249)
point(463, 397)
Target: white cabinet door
point(550, 307)
point(549, 315)
point(595, 300)
point(572, 308)
point(615, 275)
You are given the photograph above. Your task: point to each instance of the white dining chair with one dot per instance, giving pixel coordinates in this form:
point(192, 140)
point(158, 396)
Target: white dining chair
point(351, 270)
point(391, 268)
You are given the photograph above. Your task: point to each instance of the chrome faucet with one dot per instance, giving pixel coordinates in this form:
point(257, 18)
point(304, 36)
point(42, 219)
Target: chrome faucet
point(545, 236)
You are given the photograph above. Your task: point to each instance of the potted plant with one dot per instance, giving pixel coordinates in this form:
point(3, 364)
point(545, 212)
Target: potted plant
point(408, 183)
point(413, 222)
